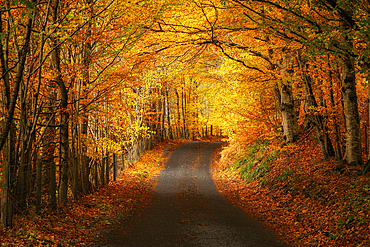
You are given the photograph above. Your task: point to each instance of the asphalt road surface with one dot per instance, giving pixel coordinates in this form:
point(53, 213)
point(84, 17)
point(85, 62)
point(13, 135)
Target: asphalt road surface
point(187, 210)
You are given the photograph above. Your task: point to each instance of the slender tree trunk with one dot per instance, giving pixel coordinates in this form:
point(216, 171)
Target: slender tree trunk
point(76, 191)
point(338, 150)
point(96, 175)
point(163, 116)
point(8, 152)
point(107, 169)
point(8, 136)
point(159, 120)
point(316, 118)
point(366, 167)
point(368, 116)
point(53, 187)
point(178, 122)
point(168, 114)
point(114, 167)
point(102, 170)
point(48, 142)
point(38, 185)
point(6, 205)
point(22, 179)
point(183, 106)
point(64, 116)
point(87, 49)
point(17, 81)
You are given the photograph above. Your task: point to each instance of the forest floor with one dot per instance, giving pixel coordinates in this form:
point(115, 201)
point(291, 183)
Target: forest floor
point(81, 221)
point(305, 200)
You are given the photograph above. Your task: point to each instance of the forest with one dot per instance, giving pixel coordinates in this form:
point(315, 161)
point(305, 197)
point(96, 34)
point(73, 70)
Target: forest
point(87, 86)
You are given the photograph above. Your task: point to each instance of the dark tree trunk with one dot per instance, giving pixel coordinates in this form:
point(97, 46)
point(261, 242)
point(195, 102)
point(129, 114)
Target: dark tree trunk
point(64, 115)
point(353, 154)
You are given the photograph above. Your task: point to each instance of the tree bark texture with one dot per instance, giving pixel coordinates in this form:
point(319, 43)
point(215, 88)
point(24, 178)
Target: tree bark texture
point(289, 119)
point(353, 153)
point(284, 96)
point(17, 81)
point(64, 115)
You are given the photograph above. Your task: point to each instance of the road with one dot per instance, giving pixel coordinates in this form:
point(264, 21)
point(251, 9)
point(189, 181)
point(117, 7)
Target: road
point(187, 210)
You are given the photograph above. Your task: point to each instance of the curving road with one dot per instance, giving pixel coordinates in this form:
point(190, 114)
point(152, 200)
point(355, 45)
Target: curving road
point(187, 210)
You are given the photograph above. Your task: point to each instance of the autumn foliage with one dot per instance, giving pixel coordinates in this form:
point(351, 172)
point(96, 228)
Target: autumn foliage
point(88, 86)
point(304, 199)
point(79, 223)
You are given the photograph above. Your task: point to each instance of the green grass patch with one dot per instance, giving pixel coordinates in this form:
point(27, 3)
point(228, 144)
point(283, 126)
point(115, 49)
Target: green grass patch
point(255, 163)
point(277, 180)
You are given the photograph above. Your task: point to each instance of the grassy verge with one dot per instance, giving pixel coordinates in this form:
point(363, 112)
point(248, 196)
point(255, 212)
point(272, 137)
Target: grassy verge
point(304, 199)
point(256, 162)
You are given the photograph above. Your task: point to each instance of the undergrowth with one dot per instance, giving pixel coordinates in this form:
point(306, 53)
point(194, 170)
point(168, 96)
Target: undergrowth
point(306, 200)
point(256, 161)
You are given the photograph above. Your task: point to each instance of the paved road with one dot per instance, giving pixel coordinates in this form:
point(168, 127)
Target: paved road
point(187, 209)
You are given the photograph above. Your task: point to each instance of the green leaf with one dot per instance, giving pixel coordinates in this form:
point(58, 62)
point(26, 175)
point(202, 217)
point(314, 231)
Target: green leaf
point(30, 14)
point(23, 14)
point(29, 5)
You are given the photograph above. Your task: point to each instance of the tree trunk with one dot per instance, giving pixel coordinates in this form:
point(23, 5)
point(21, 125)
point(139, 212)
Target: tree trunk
point(107, 169)
point(316, 118)
point(366, 167)
point(289, 119)
point(48, 142)
point(114, 167)
point(168, 113)
point(183, 106)
point(284, 96)
point(96, 175)
point(76, 191)
point(6, 205)
point(178, 129)
point(53, 188)
point(20, 195)
point(368, 116)
point(17, 81)
point(7, 132)
point(338, 150)
point(64, 115)
point(38, 185)
point(353, 153)
point(102, 170)
point(87, 49)
point(163, 117)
